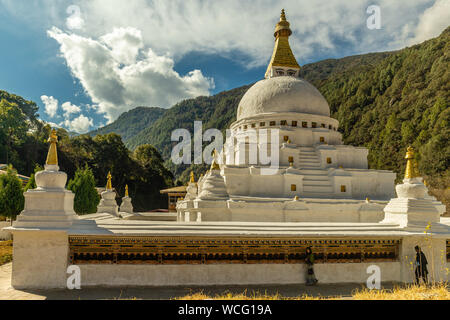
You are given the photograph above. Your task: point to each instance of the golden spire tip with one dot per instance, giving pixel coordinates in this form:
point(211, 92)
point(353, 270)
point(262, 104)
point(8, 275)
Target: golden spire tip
point(412, 170)
point(109, 183)
point(192, 177)
point(52, 156)
point(126, 191)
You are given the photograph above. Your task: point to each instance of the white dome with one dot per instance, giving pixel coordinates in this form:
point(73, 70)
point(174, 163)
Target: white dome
point(282, 94)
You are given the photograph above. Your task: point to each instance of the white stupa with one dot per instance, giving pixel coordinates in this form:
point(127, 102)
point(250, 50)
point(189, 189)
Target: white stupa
point(108, 202)
point(413, 208)
point(126, 206)
point(332, 180)
point(50, 205)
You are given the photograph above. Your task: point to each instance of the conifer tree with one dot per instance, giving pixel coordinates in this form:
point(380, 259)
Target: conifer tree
point(12, 200)
point(86, 196)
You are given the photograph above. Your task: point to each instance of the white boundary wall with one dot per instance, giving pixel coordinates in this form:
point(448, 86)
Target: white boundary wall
point(4, 235)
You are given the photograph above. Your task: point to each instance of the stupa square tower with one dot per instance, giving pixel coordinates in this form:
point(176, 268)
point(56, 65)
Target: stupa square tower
point(330, 181)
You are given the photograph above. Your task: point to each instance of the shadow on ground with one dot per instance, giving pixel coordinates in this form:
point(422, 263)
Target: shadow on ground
point(166, 293)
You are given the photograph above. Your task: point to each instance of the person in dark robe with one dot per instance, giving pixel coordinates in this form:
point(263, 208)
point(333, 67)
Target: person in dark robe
point(421, 266)
point(310, 276)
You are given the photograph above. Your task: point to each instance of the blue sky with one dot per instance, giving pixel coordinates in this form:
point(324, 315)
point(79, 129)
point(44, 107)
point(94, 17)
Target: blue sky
point(84, 62)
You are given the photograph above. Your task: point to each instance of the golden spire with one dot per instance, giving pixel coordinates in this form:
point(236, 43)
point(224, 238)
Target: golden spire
point(215, 165)
point(126, 191)
point(109, 183)
point(412, 170)
point(52, 156)
point(282, 54)
point(192, 177)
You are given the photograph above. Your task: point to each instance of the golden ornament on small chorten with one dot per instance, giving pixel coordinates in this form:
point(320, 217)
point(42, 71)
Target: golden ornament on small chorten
point(215, 165)
point(52, 156)
point(412, 170)
point(192, 177)
point(109, 183)
point(126, 191)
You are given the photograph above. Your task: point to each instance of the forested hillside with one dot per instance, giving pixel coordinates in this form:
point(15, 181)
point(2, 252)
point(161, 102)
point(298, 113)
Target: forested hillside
point(132, 122)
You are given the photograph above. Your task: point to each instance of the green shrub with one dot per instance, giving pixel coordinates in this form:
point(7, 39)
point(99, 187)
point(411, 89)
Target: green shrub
point(86, 196)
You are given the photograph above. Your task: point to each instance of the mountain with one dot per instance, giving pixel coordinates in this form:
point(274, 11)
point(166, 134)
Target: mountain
point(384, 101)
point(132, 122)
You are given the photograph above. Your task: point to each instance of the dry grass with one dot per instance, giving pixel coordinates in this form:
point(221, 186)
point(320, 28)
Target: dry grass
point(413, 292)
point(6, 250)
point(245, 296)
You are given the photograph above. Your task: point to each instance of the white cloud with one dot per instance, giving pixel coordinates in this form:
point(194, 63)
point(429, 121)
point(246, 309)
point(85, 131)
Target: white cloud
point(69, 109)
point(435, 19)
point(81, 124)
point(118, 74)
point(51, 105)
point(223, 27)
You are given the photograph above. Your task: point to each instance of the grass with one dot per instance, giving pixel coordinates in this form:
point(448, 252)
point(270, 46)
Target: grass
point(411, 292)
point(246, 296)
point(6, 248)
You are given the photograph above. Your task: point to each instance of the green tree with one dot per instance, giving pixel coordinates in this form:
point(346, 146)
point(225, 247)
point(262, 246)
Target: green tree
point(13, 125)
point(12, 200)
point(86, 196)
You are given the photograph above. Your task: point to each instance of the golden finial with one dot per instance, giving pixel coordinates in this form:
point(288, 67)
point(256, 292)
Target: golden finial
point(283, 15)
point(109, 183)
point(126, 192)
point(291, 164)
point(367, 200)
point(296, 198)
point(425, 183)
point(282, 55)
point(215, 165)
point(411, 164)
point(192, 177)
point(52, 156)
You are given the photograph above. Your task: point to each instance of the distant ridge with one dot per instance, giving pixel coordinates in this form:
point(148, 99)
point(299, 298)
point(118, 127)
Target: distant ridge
point(132, 122)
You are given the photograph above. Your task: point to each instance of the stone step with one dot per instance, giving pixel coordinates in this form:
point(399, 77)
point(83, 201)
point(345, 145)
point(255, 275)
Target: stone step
point(312, 183)
point(318, 189)
point(309, 165)
point(314, 172)
point(314, 157)
point(312, 154)
point(307, 149)
point(310, 178)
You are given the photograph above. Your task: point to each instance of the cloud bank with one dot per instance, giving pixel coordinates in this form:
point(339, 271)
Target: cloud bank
point(118, 72)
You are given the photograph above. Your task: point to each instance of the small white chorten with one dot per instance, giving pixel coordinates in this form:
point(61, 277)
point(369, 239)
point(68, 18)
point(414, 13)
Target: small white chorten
point(108, 202)
point(126, 205)
point(413, 209)
point(50, 205)
point(213, 184)
point(192, 189)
